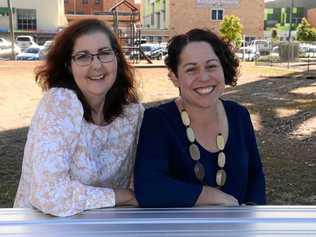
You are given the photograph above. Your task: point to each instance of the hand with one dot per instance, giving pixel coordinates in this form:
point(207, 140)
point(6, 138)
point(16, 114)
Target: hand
point(125, 197)
point(213, 196)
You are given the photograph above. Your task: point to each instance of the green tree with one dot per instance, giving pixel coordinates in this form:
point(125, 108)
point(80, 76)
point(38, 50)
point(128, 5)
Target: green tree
point(305, 32)
point(231, 30)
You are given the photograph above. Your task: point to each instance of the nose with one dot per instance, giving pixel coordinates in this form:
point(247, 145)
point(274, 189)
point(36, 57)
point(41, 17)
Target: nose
point(96, 61)
point(204, 75)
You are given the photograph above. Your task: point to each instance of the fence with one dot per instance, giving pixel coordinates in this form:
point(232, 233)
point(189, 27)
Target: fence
point(298, 55)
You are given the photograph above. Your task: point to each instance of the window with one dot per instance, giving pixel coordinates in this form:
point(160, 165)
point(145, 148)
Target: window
point(217, 14)
point(97, 1)
point(65, 1)
point(85, 1)
point(26, 19)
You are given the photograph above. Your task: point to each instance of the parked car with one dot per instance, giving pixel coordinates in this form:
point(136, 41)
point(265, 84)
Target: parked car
point(31, 53)
point(275, 52)
point(156, 53)
point(247, 53)
point(5, 49)
point(25, 41)
point(43, 52)
point(307, 50)
point(4, 44)
point(261, 46)
point(163, 47)
point(153, 51)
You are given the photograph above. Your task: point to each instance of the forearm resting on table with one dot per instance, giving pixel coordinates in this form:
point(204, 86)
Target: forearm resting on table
point(213, 196)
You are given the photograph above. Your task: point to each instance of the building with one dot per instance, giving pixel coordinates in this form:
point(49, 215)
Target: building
point(41, 16)
point(161, 19)
point(311, 17)
point(92, 7)
point(122, 15)
point(279, 12)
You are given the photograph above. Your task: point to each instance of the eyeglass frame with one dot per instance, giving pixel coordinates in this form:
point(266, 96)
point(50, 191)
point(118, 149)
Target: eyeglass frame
point(92, 57)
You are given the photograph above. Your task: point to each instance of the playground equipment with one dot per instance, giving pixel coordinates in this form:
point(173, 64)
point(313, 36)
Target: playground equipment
point(130, 35)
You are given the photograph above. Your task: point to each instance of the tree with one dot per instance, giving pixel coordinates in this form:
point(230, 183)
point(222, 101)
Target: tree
point(305, 32)
point(231, 30)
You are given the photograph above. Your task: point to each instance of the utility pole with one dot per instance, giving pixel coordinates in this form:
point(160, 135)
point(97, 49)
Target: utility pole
point(290, 48)
point(11, 30)
point(291, 18)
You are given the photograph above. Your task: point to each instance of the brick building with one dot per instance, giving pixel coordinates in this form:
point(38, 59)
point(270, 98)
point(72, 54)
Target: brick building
point(161, 19)
point(124, 22)
point(311, 16)
point(87, 7)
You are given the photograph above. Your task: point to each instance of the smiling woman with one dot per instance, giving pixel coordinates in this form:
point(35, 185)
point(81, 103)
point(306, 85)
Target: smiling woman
point(81, 143)
point(204, 150)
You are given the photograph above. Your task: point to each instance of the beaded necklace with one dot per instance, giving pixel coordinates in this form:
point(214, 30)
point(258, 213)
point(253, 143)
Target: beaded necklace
point(195, 151)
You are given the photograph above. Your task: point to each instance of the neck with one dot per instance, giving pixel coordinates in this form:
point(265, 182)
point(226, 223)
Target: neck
point(200, 115)
point(97, 105)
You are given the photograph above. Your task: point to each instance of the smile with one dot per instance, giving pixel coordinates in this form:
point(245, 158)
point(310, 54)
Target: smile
point(95, 78)
point(205, 90)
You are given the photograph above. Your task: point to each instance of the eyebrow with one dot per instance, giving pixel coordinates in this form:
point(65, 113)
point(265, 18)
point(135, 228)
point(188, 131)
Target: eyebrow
point(87, 51)
point(194, 64)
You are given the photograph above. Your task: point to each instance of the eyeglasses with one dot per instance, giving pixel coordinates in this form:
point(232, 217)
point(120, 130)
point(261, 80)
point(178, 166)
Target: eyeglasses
point(86, 58)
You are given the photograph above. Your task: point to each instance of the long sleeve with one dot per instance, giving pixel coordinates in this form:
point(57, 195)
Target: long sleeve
point(256, 181)
point(52, 140)
point(154, 185)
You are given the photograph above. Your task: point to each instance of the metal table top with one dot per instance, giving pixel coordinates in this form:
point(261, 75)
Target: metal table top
point(245, 221)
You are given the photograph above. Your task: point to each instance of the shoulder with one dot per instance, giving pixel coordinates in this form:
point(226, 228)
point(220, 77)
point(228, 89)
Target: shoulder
point(60, 103)
point(133, 112)
point(162, 110)
point(134, 109)
point(235, 108)
point(160, 116)
point(61, 98)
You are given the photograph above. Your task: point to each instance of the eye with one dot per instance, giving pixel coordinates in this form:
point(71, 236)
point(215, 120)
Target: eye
point(191, 70)
point(105, 53)
point(82, 57)
point(211, 66)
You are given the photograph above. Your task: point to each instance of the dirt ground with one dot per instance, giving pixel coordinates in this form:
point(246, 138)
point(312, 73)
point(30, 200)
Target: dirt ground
point(282, 104)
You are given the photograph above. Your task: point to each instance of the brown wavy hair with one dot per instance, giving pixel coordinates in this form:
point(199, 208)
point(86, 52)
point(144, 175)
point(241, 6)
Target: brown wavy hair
point(222, 49)
point(55, 71)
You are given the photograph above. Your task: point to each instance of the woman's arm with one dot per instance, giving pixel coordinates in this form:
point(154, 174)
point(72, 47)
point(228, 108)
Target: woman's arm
point(256, 181)
point(214, 196)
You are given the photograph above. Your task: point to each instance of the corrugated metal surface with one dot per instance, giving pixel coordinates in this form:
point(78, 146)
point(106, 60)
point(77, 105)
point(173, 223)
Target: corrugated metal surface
point(246, 221)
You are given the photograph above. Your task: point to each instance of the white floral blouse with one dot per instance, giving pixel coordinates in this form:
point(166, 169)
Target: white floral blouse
point(70, 165)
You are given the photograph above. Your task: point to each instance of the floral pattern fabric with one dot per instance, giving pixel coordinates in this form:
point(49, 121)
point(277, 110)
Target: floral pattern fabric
point(70, 165)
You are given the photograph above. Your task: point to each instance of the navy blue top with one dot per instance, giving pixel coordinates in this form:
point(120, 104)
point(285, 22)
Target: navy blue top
point(164, 170)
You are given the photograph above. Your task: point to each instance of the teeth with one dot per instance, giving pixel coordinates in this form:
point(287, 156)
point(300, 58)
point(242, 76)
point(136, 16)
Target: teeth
point(205, 90)
point(96, 77)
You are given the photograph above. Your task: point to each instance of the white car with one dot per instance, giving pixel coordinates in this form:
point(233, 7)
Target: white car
point(5, 49)
point(31, 53)
point(247, 53)
point(4, 44)
point(25, 41)
point(45, 48)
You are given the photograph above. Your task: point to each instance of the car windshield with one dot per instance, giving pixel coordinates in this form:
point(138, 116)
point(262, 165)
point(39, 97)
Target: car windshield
point(32, 50)
point(147, 48)
point(23, 39)
point(246, 50)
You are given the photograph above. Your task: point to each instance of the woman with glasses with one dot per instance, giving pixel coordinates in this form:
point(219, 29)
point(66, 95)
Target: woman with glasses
point(204, 150)
point(81, 143)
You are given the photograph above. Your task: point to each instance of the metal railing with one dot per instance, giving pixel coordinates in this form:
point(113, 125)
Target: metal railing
point(298, 55)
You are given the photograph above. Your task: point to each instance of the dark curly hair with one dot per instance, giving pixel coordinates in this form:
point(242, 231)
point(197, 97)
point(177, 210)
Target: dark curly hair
point(55, 71)
point(228, 60)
